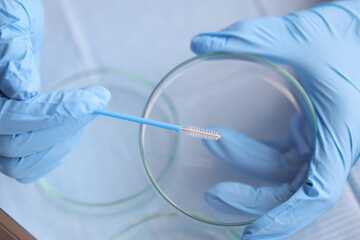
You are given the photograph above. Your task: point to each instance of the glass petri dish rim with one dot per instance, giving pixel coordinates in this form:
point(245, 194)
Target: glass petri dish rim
point(48, 188)
point(118, 235)
point(309, 114)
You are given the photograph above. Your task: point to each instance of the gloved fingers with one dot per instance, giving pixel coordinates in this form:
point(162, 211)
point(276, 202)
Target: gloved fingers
point(30, 168)
point(298, 129)
point(232, 196)
point(21, 28)
point(48, 110)
point(297, 150)
point(268, 37)
point(24, 144)
point(327, 174)
point(250, 156)
point(282, 39)
point(295, 139)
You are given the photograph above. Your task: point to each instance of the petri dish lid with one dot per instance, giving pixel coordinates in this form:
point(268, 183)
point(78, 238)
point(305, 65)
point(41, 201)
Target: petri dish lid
point(168, 225)
point(103, 173)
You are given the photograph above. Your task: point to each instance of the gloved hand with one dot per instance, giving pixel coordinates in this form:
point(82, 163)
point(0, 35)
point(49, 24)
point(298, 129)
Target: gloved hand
point(322, 44)
point(36, 129)
point(283, 163)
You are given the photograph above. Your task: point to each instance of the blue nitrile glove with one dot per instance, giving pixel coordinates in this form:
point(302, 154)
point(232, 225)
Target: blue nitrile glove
point(36, 129)
point(323, 45)
point(281, 163)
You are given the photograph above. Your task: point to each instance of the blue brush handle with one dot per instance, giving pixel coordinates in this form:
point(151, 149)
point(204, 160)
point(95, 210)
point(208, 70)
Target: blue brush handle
point(139, 120)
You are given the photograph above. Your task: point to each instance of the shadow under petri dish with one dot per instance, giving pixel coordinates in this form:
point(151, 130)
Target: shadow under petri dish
point(103, 173)
point(249, 95)
point(168, 225)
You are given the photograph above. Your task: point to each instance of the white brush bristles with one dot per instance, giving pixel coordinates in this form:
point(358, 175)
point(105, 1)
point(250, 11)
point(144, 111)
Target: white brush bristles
point(202, 133)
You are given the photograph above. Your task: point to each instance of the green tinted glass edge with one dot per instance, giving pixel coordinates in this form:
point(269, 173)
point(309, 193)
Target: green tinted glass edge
point(292, 80)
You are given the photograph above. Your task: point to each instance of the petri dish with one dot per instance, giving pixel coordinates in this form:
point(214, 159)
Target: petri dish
point(243, 93)
point(103, 174)
point(168, 225)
